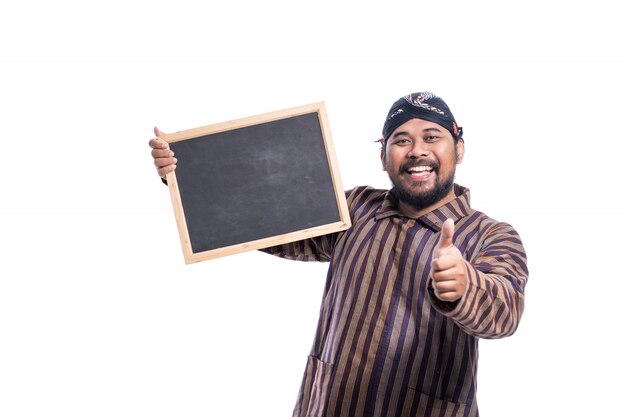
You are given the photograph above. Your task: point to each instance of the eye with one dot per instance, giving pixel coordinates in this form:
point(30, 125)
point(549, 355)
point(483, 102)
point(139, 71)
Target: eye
point(431, 138)
point(402, 141)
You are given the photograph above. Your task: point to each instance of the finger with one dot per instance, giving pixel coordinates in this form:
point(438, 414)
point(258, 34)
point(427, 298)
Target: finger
point(166, 170)
point(162, 153)
point(454, 274)
point(163, 162)
point(446, 258)
point(449, 296)
point(444, 263)
point(446, 286)
point(447, 231)
point(157, 132)
point(158, 144)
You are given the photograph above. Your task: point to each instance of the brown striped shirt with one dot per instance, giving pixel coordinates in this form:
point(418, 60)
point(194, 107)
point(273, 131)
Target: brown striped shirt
point(385, 345)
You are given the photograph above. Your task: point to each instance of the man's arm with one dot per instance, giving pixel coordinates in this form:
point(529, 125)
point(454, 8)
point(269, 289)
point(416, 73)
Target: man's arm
point(491, 301)
point(314, 249)
point(320, 248)
point(359, 201)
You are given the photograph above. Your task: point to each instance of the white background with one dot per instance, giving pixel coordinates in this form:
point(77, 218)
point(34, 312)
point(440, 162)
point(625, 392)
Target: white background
point(99, 316)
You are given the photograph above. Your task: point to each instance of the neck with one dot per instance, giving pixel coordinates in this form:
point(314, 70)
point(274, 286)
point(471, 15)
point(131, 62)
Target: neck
point(409, 211)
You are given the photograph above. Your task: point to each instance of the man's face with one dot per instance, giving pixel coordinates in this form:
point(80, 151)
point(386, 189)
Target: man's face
point(420, 158)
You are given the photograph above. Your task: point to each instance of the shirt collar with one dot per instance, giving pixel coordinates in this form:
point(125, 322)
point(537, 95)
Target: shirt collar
point(455, 209)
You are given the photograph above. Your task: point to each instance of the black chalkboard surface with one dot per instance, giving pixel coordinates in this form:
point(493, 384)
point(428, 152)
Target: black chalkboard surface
point(256, 182)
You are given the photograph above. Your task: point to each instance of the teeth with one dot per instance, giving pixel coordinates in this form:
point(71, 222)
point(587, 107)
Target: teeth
point(420, 169)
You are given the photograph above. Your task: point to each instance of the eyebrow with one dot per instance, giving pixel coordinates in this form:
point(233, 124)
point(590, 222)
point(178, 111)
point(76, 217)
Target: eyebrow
point(428, 129)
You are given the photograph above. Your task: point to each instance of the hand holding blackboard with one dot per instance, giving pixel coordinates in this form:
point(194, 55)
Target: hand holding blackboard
point(252, 183)
point(163, 156)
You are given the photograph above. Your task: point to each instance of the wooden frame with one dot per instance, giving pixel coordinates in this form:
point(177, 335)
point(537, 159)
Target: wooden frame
point(262, 120)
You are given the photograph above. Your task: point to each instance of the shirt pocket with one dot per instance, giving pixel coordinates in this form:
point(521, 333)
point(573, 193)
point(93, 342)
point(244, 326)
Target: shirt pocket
point(315, 390)
point(418, 404)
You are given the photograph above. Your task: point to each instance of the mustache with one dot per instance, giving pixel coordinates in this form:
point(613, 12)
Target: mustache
point(420, 162)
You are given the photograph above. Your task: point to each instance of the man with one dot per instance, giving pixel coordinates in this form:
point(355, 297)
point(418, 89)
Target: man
point(412, 285)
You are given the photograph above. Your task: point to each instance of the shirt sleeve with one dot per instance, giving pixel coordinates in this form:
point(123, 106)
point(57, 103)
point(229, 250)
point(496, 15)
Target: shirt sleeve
point(494, 301)
point(313, 249)
point(319, 248)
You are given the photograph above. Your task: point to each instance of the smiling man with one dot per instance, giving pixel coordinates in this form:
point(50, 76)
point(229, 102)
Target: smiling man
point(412, 285)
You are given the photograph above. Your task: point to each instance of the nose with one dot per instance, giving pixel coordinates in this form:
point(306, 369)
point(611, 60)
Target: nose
point(418, 150)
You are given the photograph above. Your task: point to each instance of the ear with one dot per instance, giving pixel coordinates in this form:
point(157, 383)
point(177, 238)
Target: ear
point(460, 150)
point(382, 158)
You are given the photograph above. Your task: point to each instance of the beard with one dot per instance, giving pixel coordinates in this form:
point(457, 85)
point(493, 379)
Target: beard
point(421, 199)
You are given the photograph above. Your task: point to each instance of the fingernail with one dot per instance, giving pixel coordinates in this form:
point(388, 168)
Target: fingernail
point(175, 160)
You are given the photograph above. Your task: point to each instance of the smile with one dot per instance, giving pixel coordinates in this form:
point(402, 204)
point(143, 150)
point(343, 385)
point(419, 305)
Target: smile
point(420, 172)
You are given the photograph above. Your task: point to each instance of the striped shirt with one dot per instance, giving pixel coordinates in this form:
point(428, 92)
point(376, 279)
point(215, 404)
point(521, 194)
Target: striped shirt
point(385, 345)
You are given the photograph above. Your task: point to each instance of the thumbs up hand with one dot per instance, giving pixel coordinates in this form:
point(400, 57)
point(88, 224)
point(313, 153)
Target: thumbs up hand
point(447, 268)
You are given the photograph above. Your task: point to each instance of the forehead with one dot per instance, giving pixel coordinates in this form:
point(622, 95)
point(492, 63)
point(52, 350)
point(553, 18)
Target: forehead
point(416, 126)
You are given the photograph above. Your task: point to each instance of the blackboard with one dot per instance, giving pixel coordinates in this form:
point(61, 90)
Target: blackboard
point(256, 182)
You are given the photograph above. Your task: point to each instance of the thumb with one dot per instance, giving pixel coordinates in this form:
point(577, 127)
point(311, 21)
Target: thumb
point(447, 231)
point(157, 132)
